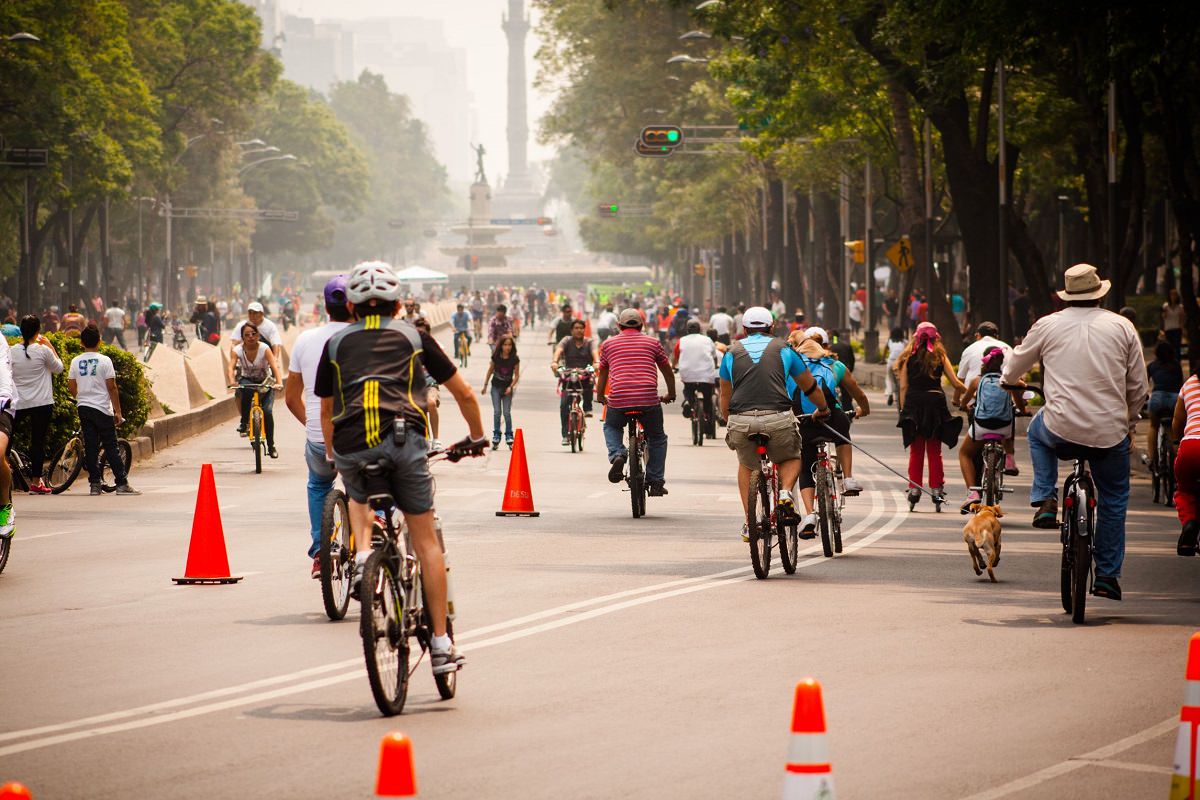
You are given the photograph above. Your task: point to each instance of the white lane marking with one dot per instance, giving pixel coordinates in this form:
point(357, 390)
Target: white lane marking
point(1156, 769)
point(598, 494)
point(701, 583)
point(41, 536)
point(1078, 762)
point(460, 492)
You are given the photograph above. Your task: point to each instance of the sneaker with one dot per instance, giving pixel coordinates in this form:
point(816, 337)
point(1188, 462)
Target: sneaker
point(1106, 586)
point(242, 429)
point(657, 489)
point(808, 526)
point(616, 473)
point(1046, 515)
point(686, 408)
point(8, 522)
point(745, 531)
point(1010, 466)
point(851, 487)
point(787, 506)
point(316, 569)
point(445, 661)
point(40, 488)
point(125, 488)
point(566, 441)
point(1187, 539)
point(272, 452)
point(973, 497)
point(95, 489)
point(587, 414)
point(356, 572)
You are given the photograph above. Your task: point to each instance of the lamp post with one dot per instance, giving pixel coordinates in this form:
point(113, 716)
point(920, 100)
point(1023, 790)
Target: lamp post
point(1062, 232)
point(1111, 147)
point(246, 168)
point(1002, 227)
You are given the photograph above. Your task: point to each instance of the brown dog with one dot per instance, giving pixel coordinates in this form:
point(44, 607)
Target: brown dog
point(982, 535)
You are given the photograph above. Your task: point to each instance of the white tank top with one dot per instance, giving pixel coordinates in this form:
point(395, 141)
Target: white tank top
point(255, 370)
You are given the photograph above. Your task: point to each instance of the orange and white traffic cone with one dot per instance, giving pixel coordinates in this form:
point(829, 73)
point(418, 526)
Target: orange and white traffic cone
point(396, 777)
point(15, 791)
point(518, 493)
point(809, 774)
point(207, 560)
point(1187, 748)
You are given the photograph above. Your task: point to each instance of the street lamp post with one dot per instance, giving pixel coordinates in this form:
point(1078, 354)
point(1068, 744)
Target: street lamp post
point(1002, 227)
point(1112, 184)
point(1062, 232)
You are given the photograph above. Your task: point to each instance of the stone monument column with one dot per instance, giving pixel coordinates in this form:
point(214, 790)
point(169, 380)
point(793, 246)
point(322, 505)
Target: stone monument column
point(516, 26)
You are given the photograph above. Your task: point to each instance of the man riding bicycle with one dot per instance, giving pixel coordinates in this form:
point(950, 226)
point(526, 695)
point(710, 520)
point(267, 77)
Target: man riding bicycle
point(754, 398)
point(371, 381)
point(460, 321)
point(695, 357)
point(1095, 387)
point(574, 352)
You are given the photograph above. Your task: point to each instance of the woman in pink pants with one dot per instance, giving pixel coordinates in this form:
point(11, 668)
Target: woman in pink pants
point(924, 418)
point(1185, 426)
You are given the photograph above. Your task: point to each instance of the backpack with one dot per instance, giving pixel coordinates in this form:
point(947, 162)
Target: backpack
point(993, 405)
point(826, 377)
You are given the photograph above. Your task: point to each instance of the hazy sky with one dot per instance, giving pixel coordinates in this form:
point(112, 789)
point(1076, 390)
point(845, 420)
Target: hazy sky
point(474, 25)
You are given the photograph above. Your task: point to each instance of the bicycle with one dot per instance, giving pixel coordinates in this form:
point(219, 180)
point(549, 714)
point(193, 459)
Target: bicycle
point(573, 382)
point(1078, 526)
point(991, 486)
point(393, 602)
point(257, 420)
point(763, 520)
point(66, 465)
point(1162, 466)
point(636, 479)
point(462, 347)
point(829, 491)
point(699, 420)
point(336, 555)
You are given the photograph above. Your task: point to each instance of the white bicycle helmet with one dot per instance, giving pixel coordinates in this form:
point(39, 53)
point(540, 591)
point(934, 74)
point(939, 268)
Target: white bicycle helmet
point(372, 279)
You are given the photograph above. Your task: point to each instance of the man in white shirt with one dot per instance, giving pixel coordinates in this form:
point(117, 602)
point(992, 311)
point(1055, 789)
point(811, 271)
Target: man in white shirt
point(93, 383)
point(114, 325)
point(606, 325)
point(970, 365)
point(306, 407)
point(722, 323)
point(1095, 386)
point(696, 359)
point(855, 312)
point(267, 331)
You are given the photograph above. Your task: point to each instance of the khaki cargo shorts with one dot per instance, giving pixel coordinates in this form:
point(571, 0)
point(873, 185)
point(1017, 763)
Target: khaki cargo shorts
point(784, 443)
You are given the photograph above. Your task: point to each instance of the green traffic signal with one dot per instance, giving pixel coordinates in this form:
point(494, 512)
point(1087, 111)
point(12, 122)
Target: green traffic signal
point(614, 208)
point(672, 136)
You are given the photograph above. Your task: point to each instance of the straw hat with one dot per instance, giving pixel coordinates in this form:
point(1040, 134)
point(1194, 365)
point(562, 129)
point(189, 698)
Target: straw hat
point(1084, 283)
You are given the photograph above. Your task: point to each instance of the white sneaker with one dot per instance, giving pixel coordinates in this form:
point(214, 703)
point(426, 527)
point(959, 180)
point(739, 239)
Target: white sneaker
point(808, 526)
point(787, 505)
point(851, 487)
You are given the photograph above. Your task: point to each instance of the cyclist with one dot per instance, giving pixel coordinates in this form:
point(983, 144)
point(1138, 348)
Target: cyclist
point(477, 307)
point(1166, 379)
point(562, 325)
point(8, 398)
point(722, 323)
point(574, 352)
point(993, 414)
point(371, 415)
point(970, 365)
point(267, 332)
point(461, 323)
point(1095, 386)
point(606, 325)
point(306, 407)
point(499, 325)
point(754, 400)
point(433, 392)
point(630, 360)
point(695, 357)
point(253, 358)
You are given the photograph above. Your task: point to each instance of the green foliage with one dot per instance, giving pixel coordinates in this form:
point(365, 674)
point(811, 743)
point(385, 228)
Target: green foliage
point(132, 388)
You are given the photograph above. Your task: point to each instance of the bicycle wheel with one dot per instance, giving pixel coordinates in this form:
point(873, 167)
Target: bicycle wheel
point(758, 519)
point(636, 479)
point(789, 546)
point(697, 428)
point(1081, 545)
point(66, 467)
point(447, 683)
point(5, 549)
point(824, 510)
point(836, 524)
point(1166, 460)
point(579, 430)
point(256, 440)
point(987, 484)
point(385, 644)
point(573, 429)
point(337, 554)
point(125, 453)
point(19, 483)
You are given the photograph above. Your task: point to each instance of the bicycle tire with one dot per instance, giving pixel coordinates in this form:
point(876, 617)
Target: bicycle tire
point(66, 466)
point(447, 683)
point(636, 480)
point(1166, 460)
point(1081, 545)
point(836, 525)
point(758, 519)
point(125, 453)
point(19, 482)
point(335, 532)
point(385, 643)
point(5, 549)
point(988, 484)
point(824, 511)
point(579, 435)
point(1067, 563)
point(789, 546)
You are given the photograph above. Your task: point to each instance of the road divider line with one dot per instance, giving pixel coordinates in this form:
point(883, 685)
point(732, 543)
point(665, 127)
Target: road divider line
point(627, 599)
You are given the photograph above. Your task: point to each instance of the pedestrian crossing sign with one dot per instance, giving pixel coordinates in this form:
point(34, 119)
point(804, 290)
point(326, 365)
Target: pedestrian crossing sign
point(900, 254)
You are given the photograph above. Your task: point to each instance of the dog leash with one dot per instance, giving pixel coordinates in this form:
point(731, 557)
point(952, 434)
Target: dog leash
point(880, 463)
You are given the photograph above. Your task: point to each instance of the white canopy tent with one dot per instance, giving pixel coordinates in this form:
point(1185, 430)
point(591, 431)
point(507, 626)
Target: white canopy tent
point(421, 275)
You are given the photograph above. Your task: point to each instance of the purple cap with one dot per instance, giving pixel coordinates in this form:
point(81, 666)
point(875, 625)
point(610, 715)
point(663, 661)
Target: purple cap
point(335, 290)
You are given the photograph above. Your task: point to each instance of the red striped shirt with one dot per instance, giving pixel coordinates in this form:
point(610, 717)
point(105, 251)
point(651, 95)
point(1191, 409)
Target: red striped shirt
point(1191, 402)
point(632, 361)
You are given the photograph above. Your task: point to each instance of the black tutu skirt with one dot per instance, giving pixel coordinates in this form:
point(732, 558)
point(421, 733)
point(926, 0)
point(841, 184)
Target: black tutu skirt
point(925, 415)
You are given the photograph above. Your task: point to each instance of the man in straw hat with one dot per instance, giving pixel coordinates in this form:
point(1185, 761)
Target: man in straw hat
point(1095, 385)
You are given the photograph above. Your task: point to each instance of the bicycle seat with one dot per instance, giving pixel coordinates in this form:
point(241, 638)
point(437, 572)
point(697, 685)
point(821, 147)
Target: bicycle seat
point(759, 438)
point(992, 437)
point(1078, 452)
point(379, 488)
point(633, 412)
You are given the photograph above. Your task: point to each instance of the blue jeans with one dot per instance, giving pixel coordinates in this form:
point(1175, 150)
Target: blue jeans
point(1111, 476)
point(656, 438)
point(501, 404)
point(321, 475)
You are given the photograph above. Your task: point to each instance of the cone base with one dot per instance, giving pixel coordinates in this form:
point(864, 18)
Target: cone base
point(193, 581)
point(518, 513)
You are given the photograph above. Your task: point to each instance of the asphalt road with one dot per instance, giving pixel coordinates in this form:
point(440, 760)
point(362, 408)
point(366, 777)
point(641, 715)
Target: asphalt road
point(607, 656)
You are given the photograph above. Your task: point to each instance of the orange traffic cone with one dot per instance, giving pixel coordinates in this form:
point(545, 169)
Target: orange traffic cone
point(1187, 748)
point(396, 777)
point(15, 791)
point(518, 493)
point(207, 561)
point(809, 775)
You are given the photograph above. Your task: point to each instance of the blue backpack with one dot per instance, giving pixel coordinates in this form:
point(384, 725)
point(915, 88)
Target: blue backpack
point(825, 375)
point(993, 405)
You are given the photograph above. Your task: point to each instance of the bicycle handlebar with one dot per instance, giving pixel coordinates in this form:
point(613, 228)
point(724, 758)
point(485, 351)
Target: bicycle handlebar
point(259, 387)
point(466, 448)
point(1017, 387)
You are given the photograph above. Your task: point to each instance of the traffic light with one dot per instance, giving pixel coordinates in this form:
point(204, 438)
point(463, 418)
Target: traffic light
point(608, 209)
point(856, 247)
point(658, 151)
point(660, 136)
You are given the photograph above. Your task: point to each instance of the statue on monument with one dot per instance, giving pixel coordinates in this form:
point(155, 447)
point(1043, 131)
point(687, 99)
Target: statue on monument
point(480, 175)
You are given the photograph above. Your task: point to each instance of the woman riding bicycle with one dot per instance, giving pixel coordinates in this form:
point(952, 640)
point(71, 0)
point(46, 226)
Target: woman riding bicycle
point(34, 361)
point(1166, 379)
point(993, 417)
point(254, 358)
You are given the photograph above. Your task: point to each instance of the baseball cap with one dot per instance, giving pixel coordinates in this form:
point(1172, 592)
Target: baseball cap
point(630, 318)
point(817, 333)
point(335, 290)
point(757, 317)
point(255, 306)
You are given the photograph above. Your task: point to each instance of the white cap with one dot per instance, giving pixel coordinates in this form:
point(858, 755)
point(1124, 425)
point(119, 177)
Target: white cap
point(815, 332)
point(255, 306)
point(757, 317)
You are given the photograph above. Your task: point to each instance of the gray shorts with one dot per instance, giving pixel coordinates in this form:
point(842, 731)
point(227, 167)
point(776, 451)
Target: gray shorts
point(784, 444)
point(406, 474)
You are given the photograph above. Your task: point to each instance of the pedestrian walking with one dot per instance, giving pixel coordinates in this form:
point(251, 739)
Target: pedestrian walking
point(93, 384)
point(503, 374)
point(925, 420)
point(895, 346)
point(34, 362)
point(114, 325)
point(1172, 321)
